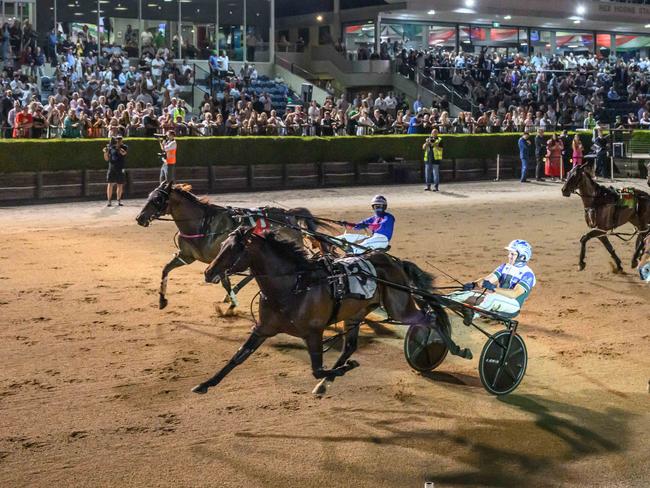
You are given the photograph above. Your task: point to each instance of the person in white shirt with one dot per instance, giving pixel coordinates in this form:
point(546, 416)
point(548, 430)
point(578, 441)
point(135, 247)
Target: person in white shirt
point(223, 63)
point(157, 66)
point(380, 103)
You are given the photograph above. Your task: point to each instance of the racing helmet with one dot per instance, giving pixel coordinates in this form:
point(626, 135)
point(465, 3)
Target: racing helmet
point(379, 202)
point(522, 248)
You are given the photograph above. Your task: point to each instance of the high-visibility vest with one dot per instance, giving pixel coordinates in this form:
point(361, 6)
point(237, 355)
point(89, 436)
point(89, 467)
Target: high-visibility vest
point(437, 153)
point(170, 157)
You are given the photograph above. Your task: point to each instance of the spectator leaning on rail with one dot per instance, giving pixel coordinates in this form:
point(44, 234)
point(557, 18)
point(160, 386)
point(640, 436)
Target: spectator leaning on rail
point(115, 154)
point(524, 152)
point(168, 145)
point(432, 148)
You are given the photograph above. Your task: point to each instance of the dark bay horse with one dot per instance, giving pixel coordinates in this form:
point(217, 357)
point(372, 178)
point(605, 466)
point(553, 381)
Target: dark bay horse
point(603, 213)
point(296, 298)
point(202, 227)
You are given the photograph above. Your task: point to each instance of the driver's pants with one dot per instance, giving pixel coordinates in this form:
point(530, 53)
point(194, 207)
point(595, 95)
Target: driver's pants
point(376, 241)
point(492, 302)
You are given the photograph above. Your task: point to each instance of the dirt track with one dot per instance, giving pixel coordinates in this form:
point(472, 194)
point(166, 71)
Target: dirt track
point(95, 380)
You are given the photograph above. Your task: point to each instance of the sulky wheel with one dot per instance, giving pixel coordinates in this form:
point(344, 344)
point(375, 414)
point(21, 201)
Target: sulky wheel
point(422, 346)
point(501, 373)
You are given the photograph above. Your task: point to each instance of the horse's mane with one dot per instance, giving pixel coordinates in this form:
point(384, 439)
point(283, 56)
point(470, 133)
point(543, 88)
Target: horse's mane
point(185, 190)
point(289, 250)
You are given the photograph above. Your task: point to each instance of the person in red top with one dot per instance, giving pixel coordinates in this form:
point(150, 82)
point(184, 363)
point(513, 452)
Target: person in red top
point(24, 122)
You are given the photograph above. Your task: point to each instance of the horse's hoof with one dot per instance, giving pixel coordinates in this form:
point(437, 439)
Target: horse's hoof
point(351, 364)
point(582, 266)
point(162, 303)
point(226, 299)
point(320, 389)
point(200, 389)
point(635, 263)
point(466, 354)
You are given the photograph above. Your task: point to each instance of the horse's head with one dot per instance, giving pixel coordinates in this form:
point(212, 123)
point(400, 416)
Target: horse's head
point(157, 204)
point(233, 256)
point(573, 179)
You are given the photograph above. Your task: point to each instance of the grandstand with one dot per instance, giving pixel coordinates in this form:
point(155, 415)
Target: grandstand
point(465, 67)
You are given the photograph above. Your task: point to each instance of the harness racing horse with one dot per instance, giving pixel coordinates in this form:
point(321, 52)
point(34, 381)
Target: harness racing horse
point(604, 214)
point(296, 298)
point(202, 227)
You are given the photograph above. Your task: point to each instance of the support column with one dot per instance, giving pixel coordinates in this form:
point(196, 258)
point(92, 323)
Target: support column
point(336, 21)
point(180, 31)
point(530, 42)
point(612, 44)
point(243, 36)
point(378, 33)
point(553, 43)
point(140, 28)
point(99, 35)
point(457, 38)
point(216, 27)
point(272, 33)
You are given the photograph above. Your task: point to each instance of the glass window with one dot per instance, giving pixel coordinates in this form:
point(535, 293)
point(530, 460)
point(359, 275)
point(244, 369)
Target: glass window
point(541, 42)
point(198, 38)
point(523, 41)
point(359, 39)
point(231, 29)
point(159, 26)
point(442, 36)
point(258, 27)
point(575, 42)
point(632, 46)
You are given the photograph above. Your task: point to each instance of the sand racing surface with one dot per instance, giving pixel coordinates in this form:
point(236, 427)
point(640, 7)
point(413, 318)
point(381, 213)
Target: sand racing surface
point(95, 380)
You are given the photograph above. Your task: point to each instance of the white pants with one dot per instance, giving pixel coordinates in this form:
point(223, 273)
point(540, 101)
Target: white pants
point(492, 302)
point(377, 241)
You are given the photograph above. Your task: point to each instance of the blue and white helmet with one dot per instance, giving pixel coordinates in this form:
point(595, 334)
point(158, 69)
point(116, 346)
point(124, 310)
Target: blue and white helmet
point(644, 272)
point(380, 201)
point(522, 248)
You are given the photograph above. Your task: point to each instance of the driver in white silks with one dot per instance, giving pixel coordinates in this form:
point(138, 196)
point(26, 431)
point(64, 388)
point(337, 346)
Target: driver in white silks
point(381, 225)
point(644, 264)
point(507, 287)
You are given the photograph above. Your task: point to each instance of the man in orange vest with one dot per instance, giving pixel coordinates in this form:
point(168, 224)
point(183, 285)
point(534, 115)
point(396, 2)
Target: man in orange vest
point(168, 145)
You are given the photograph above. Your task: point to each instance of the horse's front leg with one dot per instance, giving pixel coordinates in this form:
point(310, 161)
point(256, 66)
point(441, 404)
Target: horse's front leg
point(638, 249)
point(350, 341)
point(254, 341)
point(230, 296)
point(176, 262)
point(583, 245)
point(612, 253)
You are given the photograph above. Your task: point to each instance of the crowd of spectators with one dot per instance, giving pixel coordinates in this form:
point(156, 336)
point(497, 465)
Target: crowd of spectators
point(516, 93)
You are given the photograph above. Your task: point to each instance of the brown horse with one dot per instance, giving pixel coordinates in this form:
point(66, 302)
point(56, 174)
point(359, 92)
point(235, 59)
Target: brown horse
point(603, 213)
point(202, 227)
point(296, 299)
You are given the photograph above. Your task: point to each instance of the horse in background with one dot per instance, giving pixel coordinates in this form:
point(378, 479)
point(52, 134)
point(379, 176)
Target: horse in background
point(603, 213)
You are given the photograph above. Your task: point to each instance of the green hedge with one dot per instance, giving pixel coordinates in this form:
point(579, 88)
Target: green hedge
point(74, 154)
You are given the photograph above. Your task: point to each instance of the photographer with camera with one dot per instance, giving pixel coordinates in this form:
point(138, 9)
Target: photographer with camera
point(115, 154)
point(432, 148)
point(168, 146)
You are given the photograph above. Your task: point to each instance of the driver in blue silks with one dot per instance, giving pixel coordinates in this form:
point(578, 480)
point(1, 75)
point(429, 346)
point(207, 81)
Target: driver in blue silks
point(507, 287)
point(381, 224)
point(644, 264)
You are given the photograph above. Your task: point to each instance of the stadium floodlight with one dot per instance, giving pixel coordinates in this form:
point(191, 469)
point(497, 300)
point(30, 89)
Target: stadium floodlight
point(581, 9)
point(431, 12)
point(319, 18)
point(470, 3)
point(507, 17)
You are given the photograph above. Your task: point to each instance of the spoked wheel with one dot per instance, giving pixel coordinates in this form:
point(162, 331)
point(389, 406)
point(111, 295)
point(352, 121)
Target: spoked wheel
point(500, 367)
point(422, 348)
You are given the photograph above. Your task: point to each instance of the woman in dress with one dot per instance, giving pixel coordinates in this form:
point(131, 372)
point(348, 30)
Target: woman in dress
point(554, 148)
point(578, 151)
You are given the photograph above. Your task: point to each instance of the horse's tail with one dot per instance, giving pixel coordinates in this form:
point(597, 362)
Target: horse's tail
point(418, 277)
point(305, 218)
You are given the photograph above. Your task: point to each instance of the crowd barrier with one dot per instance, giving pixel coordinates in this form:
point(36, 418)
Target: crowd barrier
point(91, 184)
point(75, 169)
